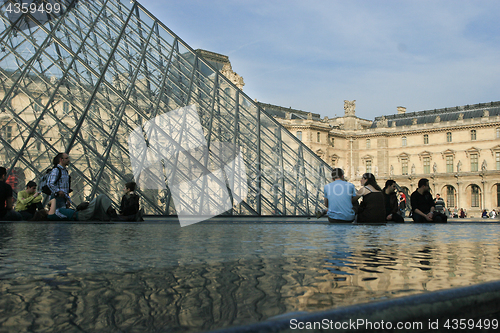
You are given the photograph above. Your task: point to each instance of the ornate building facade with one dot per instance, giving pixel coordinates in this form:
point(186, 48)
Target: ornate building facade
point(457, 149)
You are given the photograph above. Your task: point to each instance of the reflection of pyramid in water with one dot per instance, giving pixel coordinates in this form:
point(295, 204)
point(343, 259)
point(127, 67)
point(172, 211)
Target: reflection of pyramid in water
point(85, 80)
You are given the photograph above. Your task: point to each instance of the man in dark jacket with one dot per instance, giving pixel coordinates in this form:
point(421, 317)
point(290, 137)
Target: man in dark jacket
point(391, 202)
point(422, 205)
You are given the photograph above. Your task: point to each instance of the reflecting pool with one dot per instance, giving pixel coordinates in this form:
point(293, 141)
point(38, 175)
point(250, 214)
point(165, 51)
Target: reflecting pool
point(158, 277)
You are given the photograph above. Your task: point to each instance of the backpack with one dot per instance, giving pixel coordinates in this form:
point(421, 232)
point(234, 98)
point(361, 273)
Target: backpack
point(44, 188)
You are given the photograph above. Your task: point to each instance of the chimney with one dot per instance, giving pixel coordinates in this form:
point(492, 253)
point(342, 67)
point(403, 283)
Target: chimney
point(401, 109)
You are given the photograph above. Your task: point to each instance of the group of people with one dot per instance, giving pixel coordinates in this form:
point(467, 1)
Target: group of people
point(28, 205)
point(377, 205)
point(493, 214)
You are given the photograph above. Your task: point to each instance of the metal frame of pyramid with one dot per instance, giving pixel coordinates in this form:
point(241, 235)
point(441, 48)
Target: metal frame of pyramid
point(81, 80)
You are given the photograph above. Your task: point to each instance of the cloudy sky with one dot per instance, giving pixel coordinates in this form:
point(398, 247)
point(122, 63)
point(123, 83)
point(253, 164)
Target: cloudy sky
point(313, 55)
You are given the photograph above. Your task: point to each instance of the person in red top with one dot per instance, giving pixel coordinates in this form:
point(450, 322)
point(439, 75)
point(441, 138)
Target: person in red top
point(402, 204)
point(7, 213)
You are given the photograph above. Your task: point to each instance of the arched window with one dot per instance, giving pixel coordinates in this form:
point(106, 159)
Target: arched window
point(450, 196)
point(426, 139)
point(333, 142)
point(448, 137)
point(473, 135)
point(368, 144)
point(403, 141)
point(299, 135)
point(474, 199)
point(498, 195)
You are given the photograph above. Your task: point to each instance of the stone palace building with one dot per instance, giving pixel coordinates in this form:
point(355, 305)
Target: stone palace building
point(457, 148)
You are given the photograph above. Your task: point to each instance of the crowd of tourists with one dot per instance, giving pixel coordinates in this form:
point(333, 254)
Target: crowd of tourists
point(55, 185)
point(373, 204)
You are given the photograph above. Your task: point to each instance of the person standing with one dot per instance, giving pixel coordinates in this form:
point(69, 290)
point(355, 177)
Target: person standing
point(402, 203)
point(28, 201)
point(339, 196)
point(59, 180)
point(371, 208)
point(439, 204)
point(391, 202)
point(6, 200)
point(422, 205)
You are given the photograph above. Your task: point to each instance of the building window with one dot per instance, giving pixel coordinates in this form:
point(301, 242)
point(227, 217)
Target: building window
point(497, 159)
point(498, 133)
point(473, 135)
point(319, 137)
point(498, 195)
point(299, 135)
point(404, 166)
point(426, 139)
point(66, 107)
point(450, 196)
point(334, 162)
point(38, 105)
point(368, 144)
point(7, 133)
point(403, 141)
point(474, 196)
point(369, 166)
point(449, 163)
point(448, 137)
point(427, 165)
point(333, 142)
point(473, 162)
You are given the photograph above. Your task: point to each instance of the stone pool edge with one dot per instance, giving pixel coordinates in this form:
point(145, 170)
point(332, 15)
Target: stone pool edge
point(476, 302)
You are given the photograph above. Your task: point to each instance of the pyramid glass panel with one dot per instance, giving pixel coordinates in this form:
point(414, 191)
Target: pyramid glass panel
point(108, 83)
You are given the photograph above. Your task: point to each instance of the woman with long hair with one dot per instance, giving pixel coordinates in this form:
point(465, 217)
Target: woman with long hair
point(391, 202)
point(370, 210)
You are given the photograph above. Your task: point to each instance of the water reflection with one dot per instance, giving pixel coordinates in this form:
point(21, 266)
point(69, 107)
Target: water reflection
point(161, 278)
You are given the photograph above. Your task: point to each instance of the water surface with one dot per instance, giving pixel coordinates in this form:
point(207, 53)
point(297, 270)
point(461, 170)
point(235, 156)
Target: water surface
point(155, 277)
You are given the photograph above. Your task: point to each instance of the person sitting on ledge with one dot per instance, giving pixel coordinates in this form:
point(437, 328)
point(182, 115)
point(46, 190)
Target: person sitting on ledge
point(6, 200)
point(371, 209)
point(56, 211)
point(422, 205)
point(28, 201)
point(391, 202)
point(339, 198)
point(129, 207)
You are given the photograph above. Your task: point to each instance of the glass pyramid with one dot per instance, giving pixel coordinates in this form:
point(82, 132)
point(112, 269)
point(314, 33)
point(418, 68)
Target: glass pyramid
point(89, 80)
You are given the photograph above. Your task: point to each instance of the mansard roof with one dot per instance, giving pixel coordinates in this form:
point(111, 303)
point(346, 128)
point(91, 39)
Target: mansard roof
point(280, 112)
point(446, 114)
